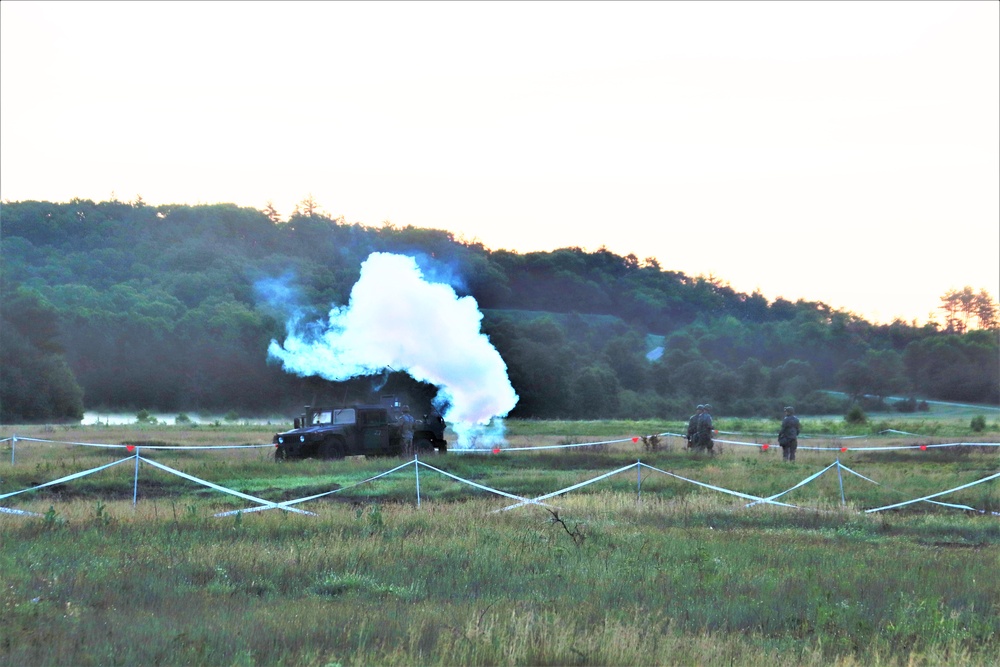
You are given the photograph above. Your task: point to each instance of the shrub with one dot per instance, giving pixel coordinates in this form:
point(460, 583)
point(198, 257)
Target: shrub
point(856, 415)
point(978, 423)
point(144, 417)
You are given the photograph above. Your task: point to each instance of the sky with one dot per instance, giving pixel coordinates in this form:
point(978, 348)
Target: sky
point(843, 152)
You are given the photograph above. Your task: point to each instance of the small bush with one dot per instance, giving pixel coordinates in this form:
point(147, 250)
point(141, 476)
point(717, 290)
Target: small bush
point(144, 417)
point(978, 424)
point(182, 419)
point(856, 416)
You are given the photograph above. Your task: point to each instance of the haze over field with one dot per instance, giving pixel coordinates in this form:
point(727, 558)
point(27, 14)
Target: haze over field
point(840, 152)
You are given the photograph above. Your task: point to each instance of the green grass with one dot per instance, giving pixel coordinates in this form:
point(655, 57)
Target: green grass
point(614, 582)
point(675, 574)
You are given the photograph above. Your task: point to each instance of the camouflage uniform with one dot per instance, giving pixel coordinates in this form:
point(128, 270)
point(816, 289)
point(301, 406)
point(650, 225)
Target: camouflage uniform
point(692, 433)
point(788, 436)
point(406, 431)
point(705, 429)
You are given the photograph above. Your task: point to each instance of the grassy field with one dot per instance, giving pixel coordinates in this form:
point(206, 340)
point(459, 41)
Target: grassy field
point(613, 573)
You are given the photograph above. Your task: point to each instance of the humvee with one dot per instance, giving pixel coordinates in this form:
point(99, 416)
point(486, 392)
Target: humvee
point(359, 429)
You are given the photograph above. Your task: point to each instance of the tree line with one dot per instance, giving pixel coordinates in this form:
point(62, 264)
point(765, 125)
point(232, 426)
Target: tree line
point(125, 305)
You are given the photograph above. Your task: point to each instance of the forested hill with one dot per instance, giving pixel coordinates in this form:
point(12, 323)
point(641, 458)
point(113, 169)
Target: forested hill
point(129, 306)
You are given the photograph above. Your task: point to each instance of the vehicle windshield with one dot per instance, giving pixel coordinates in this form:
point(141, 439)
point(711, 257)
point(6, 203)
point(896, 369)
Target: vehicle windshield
point(322, 417)
point(328, 417)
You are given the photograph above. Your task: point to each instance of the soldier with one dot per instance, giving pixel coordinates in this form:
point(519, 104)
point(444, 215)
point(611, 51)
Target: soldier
point(705, 428)
point(788, 436)
point(692, 434)
point(406, 430)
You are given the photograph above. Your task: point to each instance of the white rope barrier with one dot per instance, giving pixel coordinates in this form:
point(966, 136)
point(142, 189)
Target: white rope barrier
point(800, 484)
point(480, 486)
point(535, 501)
point(77, 444)
point(729, 442)
point(933, 502)
point(566, 446)
point(921, 447)
point(67, 478)
point(807, 436)
point(934, 495)
point(634, 439)
point(843, 467)
point(289, 505)
point(477, 450)
point(8, 510)
point(319, 495)
point(126, 446)
point(717, 488)
point(862, 449)
point(268, 503)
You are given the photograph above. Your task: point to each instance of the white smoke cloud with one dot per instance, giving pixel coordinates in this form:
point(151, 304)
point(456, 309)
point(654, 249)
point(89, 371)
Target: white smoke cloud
point(278, 294)
point(397, 319)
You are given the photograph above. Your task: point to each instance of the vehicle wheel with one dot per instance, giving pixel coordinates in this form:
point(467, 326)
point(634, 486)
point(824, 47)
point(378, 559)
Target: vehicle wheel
point(423, 445)
point(331, 448)
point(280, 455)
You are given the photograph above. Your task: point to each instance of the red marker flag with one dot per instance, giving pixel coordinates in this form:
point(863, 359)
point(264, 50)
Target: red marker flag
point(765, 446)
point(496, 450)
point(843, 449)
point(635, 438)
point(130, 448)
point(923, 448)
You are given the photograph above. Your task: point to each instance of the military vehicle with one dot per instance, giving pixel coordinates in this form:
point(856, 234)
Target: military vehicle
point(360, 429)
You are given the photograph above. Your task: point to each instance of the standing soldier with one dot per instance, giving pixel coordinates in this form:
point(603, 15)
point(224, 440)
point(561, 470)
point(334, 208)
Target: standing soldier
point(788, 436)
point(692, 433)
point(406, 430)
point(705, 428)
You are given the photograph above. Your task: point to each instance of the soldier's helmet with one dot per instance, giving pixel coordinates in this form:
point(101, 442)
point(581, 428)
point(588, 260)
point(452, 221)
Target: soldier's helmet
point(789, 410)
point(406, 408)
point(701, 407)
point(708, 406)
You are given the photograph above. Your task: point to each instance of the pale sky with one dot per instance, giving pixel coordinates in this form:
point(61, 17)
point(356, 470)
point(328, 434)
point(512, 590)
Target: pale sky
point(844, 152)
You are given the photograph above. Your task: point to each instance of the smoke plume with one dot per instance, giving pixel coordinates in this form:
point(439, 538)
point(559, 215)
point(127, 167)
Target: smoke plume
point(397, 319)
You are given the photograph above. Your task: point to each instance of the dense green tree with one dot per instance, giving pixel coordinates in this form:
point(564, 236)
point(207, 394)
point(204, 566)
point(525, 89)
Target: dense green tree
point(888, 372)
point(792, 379)
point(596, 393)
point(960, 368)
point(36, 383)
point(752, 377)
point(722, 385)
point(35, 386)
point(626, 356)
point(691, 378)
point(539, 364)
point(879, 373)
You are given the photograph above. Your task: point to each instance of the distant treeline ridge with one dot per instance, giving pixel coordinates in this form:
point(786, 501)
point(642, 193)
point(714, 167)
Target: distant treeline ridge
point(128, 306)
